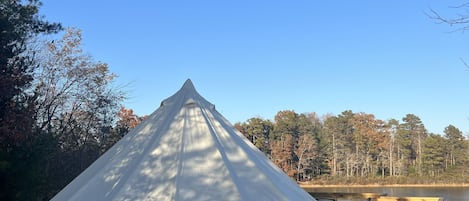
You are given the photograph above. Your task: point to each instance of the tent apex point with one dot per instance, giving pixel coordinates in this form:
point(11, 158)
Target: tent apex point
point(188, 84)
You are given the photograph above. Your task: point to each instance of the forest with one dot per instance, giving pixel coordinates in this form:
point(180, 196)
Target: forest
point(60, 109)
point(357, 148)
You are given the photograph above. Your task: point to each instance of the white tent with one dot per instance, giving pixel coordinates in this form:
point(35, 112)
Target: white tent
point(185, 150)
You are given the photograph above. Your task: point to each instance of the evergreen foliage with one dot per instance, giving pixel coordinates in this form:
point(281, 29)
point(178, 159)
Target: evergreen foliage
point(362, 149)
point(57, 106)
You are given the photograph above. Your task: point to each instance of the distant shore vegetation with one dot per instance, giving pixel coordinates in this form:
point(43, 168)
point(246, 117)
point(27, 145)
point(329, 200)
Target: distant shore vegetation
point(357, 148)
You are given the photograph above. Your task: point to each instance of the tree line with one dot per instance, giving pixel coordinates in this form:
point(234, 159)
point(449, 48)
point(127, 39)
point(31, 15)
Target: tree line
point(59, 108)
point(357, 147)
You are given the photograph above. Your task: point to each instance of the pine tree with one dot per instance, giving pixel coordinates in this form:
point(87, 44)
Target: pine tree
point(21, 158)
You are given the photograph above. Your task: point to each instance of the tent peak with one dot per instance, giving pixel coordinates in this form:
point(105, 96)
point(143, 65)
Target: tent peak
point(189, 97)
point(188, 85)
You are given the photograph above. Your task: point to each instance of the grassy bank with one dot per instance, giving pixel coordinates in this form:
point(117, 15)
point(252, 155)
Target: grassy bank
point(305, 185)
point(416, 181)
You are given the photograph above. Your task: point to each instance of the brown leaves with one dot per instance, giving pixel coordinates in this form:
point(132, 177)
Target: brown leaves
point(127, 118)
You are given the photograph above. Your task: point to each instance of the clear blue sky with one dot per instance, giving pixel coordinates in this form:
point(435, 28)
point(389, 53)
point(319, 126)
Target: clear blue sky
point(255, 58)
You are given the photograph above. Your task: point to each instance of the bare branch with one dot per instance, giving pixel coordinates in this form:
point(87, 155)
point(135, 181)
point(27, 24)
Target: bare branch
point(461, 6)
point(464, 62)
point(461, 19)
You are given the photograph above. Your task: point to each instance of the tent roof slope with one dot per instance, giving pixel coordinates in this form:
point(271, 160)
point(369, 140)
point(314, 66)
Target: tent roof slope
point(184, 151)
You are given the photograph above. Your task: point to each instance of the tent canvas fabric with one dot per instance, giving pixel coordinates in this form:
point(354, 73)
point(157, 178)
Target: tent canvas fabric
point(184, 151)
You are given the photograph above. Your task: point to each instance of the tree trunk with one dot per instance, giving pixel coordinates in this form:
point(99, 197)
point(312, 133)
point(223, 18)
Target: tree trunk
point(334, 156)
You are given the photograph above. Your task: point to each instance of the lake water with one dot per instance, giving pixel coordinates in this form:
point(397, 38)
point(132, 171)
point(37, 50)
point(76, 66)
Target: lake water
point(448, 193)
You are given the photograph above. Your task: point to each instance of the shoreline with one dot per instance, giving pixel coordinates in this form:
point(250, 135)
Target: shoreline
point(379, 185)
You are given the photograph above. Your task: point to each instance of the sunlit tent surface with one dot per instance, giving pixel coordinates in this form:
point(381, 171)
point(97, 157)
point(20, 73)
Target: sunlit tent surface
point(185, 150)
